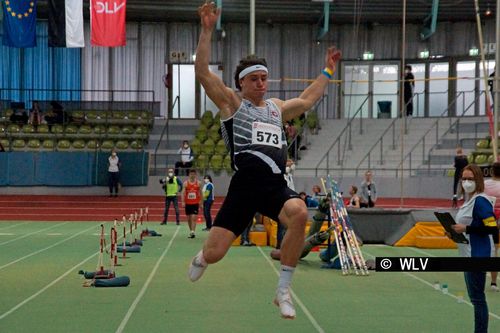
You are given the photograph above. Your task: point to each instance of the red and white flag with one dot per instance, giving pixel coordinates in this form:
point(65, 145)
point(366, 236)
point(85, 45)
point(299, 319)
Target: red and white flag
point(107, 22)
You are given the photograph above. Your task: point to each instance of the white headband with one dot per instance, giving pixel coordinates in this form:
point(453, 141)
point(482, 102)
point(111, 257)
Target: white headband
point(251, 69)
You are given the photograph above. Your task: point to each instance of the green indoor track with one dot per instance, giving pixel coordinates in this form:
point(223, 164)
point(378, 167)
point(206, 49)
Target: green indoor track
point(41, 291)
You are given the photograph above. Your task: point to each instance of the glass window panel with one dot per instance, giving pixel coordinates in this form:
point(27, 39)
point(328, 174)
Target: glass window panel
point(418, 71)
point(355, 92)
point(466, 71)
point(206, 102)
point(385, 91)
point(491, 66)
point(438, 89)
point(186, 93)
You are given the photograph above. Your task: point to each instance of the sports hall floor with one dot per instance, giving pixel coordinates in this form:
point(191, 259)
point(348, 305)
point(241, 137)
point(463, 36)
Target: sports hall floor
point(40, 290)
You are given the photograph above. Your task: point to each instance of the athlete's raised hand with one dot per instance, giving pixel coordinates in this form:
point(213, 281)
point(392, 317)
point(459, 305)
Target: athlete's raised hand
point(332, 57)
point(209, 14)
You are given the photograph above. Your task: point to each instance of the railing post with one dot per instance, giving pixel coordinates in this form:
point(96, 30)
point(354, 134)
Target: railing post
point(338, 153)
point(437, 133)
point(361, 123)
point(393, 136)
point(381, 162)
point(423, 149)
point(350, 145)
point(327, 162)
point(458, 132)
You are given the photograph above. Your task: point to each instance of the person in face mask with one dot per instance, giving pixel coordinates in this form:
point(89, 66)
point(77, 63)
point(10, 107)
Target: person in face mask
point(172, 186)
point(187, 157)
point(113, 173)
point(477, 220)
point(409, 87)
point(208, 200)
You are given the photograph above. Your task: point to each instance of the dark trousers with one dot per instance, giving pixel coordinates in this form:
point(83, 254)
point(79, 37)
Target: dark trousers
point(180, 165)
point(475, 282)
point(206, 212)
point(169, 200)
point(409, 105)
point(113, 179)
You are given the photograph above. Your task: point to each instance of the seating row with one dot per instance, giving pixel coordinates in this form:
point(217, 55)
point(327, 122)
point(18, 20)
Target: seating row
point(64, 144)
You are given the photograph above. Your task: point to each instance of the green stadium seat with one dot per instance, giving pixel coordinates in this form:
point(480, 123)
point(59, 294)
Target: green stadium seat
point(91, 115)
point(34, 143)
point(63, 144)
point(216, 162)
point(92, 144)
point(79, 144)
point(85, 130)
point(18, 144)
point(195, 145)
point(227, 164)
point(28, 128)
point(119, 115)
point(217, 118)
point(146, 115)
point(201, 134)
point(107, 144)
point(312, 120)
point(77, 116)
point(450, 172)
point(201, 162)
point(100, 129)
point(114, 130)
point(5, 143)
point(71, 129)
point(482, 144)
point(481, 159)
point(13, 128)
point(142, 130)
point(213, 133)
point(43, 128)
point(470, 158)
point(57, 129)
point(136, 144)
point(121, 144)
point(48, 144)
point(208, 147)
point(3, 129)
point(134, 114)
point(491, 159)
point(207, 118)
point(127, 130)
point(220, 147)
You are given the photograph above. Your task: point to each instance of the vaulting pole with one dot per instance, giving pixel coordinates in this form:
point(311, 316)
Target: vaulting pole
point(402, 103)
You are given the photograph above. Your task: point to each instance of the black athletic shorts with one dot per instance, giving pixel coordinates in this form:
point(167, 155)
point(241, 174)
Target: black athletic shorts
point(192, 209)
point(250, 193)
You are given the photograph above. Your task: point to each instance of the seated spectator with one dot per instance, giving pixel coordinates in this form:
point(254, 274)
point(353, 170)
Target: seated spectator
point(368, 194)
point(56, 115)
point(35, 115)
point(316, 190)
point(187, 157)
point(354, 202)
point(310, 201)
point(19, 116)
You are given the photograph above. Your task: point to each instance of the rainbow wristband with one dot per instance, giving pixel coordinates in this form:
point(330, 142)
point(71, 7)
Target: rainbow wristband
point(327, 72)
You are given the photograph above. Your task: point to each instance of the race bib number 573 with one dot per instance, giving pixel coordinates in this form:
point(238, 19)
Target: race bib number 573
point(266, 134)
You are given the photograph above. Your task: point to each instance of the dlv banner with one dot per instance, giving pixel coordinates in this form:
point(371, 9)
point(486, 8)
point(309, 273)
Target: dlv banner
point(107, 22)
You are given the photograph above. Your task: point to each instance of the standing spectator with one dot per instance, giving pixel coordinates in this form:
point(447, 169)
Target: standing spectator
point(492, 188)
point(35, 115)
point(354, 202)
point(172, 186)
point(245, 236)
point(460, 163)
point(476, 219)
point(186, 161)
point(409, 87)
point(208, 200)
point(368, 193)
point(113, 173)
point(191, 200)
point(491, 85)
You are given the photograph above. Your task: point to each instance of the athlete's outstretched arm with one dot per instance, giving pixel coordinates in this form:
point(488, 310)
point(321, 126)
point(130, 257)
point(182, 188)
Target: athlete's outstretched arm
point(294, 107)
point(224, 97)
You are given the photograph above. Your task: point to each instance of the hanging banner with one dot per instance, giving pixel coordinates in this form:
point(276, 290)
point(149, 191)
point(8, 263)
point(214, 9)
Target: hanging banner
point(66, 23)
point(107, 23)
point(19, 23)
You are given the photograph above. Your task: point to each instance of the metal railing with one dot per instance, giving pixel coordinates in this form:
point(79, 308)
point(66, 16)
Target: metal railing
point(347, 130)
point(422, 142)
point(380, 141)
point(164, 132)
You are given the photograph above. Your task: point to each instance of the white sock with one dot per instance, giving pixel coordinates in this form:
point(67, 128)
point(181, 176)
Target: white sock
point(201, 259)
point(286, 273)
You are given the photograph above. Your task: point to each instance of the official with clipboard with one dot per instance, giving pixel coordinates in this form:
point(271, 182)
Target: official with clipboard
point(476, 222)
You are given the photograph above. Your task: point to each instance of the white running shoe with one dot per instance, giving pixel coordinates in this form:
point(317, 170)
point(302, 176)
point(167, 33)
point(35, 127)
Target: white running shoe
point(284, 301)
point(196, 269)
point(494, 287)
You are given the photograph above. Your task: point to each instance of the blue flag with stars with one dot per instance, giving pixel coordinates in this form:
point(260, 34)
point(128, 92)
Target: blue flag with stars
point(19, 23)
